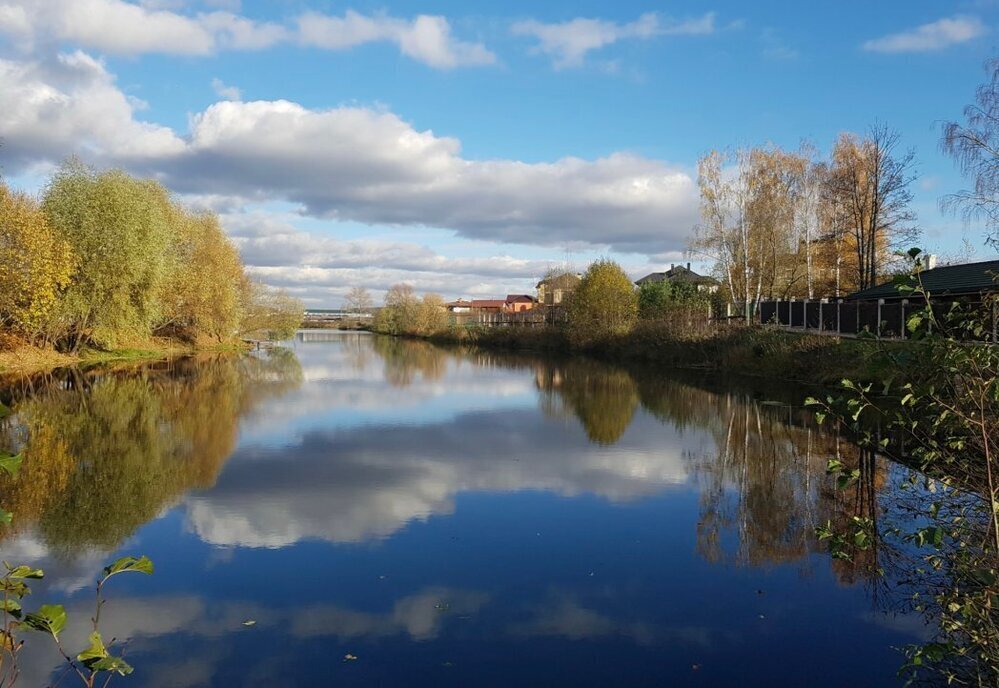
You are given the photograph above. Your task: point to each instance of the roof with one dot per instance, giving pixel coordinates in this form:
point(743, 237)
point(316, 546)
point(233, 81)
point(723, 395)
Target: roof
point(519, 298)
point(677, 273)
point(487, 303)
point(967, 278)
point(563, 280)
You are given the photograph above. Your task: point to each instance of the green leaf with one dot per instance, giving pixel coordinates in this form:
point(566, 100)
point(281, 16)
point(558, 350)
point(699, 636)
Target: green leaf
point(11, 606)
point(115, 665)
point(10, 463)
point(94, 653)
point(14, 587)
point(5, 517)
point(25, 572)
point(126, 564)
point(50, 618)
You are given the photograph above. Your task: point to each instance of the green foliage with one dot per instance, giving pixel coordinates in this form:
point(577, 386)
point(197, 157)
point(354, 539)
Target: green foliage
point(658, 300)
point(603, 305)
point(935, 406)
point(121, 228)
point(270, 313)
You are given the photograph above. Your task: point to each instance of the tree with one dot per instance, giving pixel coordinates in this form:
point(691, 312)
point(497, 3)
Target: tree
point(974, 145)
point(869, 182)
point(120, 228)
point(271, 312)
point(201, 295)
point(604, 304)
point(35, 265)
point(358, 300)
point(656, 300)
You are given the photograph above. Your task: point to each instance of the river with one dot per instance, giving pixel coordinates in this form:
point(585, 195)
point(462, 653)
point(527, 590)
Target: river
point(358, 510)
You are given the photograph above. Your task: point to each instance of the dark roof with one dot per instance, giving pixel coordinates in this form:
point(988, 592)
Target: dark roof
point(968, 278)
point(512, 298)
point(678, 273)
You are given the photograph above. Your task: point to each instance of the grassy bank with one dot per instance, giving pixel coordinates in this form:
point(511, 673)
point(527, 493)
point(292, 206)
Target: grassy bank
point(21, 359)
point(755, 351)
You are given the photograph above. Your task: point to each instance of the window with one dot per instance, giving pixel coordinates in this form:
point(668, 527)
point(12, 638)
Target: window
point(558, 296)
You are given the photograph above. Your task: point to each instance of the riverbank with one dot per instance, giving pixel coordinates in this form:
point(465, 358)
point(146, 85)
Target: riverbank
point(754, 351)
point(27, 359)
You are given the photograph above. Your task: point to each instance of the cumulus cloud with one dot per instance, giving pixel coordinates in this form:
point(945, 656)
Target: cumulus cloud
point(70, 103)
point(168, 27)
point(425, 38)
point(123, 28)
point(361, 164)
point(937, 35)
point(344, 163)
point(569, 42)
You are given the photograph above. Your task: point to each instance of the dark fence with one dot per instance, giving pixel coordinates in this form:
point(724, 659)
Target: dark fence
point(885, 320)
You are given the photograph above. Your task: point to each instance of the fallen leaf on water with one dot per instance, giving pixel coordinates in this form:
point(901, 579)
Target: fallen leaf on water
point(249, 622)
point(349, 657)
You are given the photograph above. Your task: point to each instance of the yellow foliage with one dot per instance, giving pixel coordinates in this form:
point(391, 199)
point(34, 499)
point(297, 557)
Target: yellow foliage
point(35, 265)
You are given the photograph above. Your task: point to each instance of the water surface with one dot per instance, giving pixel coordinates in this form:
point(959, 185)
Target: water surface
point(446, 518)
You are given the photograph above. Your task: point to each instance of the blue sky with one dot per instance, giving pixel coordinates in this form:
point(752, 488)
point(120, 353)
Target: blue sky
point(463, 147)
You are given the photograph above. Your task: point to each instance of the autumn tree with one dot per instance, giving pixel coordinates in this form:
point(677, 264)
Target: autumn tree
point(35, 265)
point(202, 294)
point(974, 145)
point(869, 182)
point(120, 228)
point(604, 304)
point(269, 311)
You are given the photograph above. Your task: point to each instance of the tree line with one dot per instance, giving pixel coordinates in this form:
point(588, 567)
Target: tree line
point(107, 260)
point(782, 224)
point(790, 223)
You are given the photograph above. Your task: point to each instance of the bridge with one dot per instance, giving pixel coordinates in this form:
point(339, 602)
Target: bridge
point(330, 314)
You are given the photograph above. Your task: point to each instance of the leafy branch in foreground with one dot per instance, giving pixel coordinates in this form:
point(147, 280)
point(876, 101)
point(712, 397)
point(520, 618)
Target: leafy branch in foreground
point(93, 662)
point(934, 406)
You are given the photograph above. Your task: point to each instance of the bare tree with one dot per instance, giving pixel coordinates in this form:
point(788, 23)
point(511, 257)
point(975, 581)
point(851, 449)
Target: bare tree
point(870, 182)
point(358, 300)
point(974, 145)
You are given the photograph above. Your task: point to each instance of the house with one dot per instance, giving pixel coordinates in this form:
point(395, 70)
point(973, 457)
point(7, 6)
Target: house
point(459, 306)
point(553, 290)
point(682, 275)
point(517, 303)
point(968, 281)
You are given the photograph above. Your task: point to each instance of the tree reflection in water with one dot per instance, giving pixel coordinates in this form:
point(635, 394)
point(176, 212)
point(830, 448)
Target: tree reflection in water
point(106, 451)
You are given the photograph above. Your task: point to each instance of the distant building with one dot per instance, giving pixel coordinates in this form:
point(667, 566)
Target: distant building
point(552, 291)
point(459, 306)
point(679, 274)
point(967, 281)
point(517, 303)
point(488, 305)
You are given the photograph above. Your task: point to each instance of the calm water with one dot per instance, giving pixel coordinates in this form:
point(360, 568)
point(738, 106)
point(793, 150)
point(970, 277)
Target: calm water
point(445, 518)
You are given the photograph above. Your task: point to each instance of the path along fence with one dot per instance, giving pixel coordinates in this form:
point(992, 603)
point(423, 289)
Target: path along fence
point(881, 319)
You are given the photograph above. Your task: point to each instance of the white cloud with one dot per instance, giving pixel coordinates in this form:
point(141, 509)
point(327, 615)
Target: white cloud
point(226, 92)
point(425, 38)
point(70, 104)
point(161, 26)
point(569, 42)
point(937, 35)
point(355, 164)
point(123, 28)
